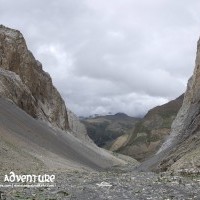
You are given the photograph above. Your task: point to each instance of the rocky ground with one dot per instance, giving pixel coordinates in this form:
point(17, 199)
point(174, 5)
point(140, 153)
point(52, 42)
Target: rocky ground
point(117, 183)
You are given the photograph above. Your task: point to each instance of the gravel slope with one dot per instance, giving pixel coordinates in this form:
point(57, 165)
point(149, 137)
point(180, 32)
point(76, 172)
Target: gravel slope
point(44, 146)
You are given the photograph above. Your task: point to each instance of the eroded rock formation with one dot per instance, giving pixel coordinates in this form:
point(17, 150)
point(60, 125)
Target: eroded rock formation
point(24, 82)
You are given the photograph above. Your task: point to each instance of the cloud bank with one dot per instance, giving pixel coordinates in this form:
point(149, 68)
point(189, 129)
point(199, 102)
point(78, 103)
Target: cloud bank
point(110, 56)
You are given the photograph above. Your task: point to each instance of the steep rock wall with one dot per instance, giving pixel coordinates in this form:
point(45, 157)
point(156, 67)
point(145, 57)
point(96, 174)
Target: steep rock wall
point(182, 148)
point(24, 82)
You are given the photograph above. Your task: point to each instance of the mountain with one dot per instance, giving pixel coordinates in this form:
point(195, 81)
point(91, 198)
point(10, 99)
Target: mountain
point(181, 150)
point(150, 132)
point(25, 83)
point(36, 128)
point(104, 129)
point(30, 144)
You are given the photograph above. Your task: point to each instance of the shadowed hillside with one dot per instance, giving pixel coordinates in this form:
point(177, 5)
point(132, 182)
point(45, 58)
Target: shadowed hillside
point(103, 130)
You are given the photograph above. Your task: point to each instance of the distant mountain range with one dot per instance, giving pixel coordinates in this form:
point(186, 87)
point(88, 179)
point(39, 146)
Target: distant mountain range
point(104, 129)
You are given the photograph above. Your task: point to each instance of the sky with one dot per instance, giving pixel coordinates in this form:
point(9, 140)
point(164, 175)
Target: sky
point(109, 56)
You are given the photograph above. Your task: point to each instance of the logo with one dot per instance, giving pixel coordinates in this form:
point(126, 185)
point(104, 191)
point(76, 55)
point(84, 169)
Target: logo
point(31, 180)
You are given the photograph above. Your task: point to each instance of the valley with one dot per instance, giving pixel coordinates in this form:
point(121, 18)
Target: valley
point(156, 157)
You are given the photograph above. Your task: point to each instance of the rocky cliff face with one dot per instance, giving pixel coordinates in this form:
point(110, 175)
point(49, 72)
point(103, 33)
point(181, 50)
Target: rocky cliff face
point(24, 82)
point(37, 131)
point(182, 148)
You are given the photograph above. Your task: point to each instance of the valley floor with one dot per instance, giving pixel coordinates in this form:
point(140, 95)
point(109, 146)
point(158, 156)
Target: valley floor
point(115, 184)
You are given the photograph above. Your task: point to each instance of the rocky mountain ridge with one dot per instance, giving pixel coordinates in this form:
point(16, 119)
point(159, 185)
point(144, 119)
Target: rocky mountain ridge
point(181, 150)
point(24, 82)
point(151, 131)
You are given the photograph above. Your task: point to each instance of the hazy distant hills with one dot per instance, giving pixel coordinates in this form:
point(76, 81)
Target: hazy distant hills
point(104, 129)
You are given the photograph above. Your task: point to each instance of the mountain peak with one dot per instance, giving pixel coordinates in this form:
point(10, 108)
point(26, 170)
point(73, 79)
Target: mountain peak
point(30, 87)
point(120, 114)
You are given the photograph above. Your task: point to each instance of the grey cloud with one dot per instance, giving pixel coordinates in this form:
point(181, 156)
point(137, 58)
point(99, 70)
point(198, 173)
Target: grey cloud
point(110, 56)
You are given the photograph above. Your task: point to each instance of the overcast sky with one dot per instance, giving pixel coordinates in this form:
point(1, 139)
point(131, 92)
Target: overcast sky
point(110, 55)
